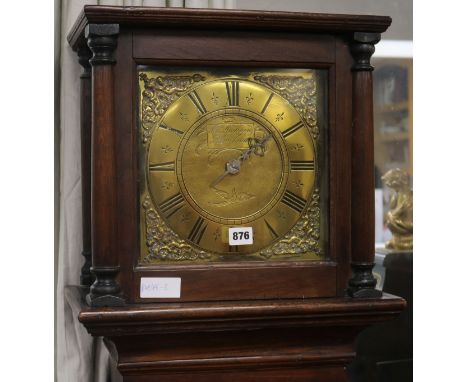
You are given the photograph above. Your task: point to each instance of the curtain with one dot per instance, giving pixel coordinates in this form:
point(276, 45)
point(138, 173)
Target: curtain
point(79, 357)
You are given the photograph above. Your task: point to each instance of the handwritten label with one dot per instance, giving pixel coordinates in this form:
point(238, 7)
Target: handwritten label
point(240, 236)
point(160, 287)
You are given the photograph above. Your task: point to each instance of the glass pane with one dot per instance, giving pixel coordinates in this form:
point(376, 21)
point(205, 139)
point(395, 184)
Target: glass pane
point(393, 131)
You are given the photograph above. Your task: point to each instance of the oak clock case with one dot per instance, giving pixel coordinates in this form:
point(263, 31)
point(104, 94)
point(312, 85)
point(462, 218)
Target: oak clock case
point(232, 148)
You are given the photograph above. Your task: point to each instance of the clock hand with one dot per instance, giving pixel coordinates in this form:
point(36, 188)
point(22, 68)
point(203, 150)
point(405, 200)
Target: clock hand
point(255, 144)
point(234, 165)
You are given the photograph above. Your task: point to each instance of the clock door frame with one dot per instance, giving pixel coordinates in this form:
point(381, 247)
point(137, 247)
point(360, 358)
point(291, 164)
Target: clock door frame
point(204, 48)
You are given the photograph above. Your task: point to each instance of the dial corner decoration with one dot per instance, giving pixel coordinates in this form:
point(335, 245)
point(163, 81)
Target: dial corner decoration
point(221, 150)
point(157, 93)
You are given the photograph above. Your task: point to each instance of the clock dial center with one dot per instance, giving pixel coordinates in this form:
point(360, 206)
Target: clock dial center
point(230, 167)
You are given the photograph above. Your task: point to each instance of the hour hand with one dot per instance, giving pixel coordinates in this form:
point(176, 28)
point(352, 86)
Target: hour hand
point(232, 168)
point(256, 146)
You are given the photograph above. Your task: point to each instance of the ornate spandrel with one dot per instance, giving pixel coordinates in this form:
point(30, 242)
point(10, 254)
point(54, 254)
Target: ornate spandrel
point(304, 236)
point(300, 92)
point(157, 96)
point(164, 244)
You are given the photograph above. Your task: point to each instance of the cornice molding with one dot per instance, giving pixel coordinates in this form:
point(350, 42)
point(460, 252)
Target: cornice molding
point(237, 20)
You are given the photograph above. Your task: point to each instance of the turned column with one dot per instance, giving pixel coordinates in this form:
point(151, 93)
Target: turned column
point(105, 291)
point(84, 54)
point(362, 282)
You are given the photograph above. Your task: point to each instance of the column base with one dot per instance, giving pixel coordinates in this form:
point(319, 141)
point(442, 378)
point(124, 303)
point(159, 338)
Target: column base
point(86, 277)
point(364, 293)
point(105, 291)
point(102, 301)
point(363, 282)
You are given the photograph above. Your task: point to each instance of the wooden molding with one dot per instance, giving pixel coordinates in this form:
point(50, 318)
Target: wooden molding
point(224, 19)
point(188, 317)
point(231, 338)
point(237, 363)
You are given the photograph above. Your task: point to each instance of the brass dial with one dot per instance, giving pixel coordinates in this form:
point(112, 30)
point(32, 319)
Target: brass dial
point(223, 148)
point(230, 152)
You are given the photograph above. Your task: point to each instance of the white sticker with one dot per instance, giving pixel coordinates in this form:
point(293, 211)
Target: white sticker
point(240, 236)
point(160, 287)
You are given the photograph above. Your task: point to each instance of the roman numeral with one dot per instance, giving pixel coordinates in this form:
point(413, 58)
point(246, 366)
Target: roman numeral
point(197, 102)
point(171, 129)
point(267, 103)
point(232, 92)
point(165, 166)
point(170, 206)
point(292, 129)
point(197, 230)
point(293, 201)
point(273, 234)
point(302, 165)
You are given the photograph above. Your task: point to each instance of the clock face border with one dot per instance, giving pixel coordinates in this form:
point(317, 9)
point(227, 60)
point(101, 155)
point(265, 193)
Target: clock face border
point(164, 131)
point(237, 280)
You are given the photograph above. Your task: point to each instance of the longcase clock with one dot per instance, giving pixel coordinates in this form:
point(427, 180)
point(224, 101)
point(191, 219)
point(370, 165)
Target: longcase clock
point(228, 187)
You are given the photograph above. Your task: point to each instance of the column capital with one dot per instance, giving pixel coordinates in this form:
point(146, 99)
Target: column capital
point(102, 40)
point(362, 48)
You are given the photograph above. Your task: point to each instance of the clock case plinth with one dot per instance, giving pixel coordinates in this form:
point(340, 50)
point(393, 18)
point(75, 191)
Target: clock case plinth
point(290, 320)
point(298, 340)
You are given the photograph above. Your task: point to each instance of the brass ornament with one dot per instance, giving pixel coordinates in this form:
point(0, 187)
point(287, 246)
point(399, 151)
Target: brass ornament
point(303, 237)
point(300, 92)
point(162, 243)
point(400, 217)
point(158, 94)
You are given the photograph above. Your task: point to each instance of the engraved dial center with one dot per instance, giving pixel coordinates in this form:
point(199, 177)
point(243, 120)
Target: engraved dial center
point(230, 167)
